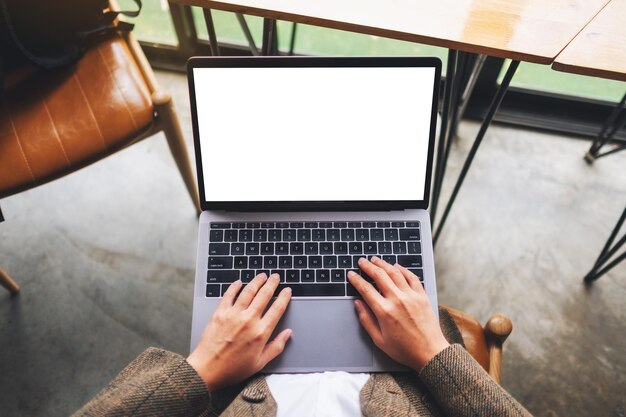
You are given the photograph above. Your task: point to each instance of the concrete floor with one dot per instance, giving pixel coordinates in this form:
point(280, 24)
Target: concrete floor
point(106, 260)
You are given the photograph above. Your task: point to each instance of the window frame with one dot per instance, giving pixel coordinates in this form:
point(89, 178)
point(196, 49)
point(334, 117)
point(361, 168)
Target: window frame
point(577, 116)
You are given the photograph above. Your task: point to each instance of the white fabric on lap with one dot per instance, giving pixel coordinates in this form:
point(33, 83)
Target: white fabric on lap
point(327, 394)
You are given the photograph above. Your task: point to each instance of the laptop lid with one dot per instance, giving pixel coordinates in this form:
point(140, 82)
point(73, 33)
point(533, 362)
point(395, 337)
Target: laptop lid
point(313, 133)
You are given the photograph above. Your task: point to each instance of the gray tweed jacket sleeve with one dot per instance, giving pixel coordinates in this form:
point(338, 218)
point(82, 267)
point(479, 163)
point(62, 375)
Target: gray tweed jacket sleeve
point(157, 382)
point(460, 387)
point(161, 383)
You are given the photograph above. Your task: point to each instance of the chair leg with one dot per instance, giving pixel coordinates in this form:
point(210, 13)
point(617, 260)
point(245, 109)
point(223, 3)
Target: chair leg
point(497, 329)
point(164, 107)
point(7, 282)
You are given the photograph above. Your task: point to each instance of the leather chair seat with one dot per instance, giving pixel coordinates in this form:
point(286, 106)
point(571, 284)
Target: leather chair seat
point(53, 122)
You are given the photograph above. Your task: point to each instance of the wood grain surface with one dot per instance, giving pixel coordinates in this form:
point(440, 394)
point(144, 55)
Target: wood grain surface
point(526, 30)
point(599, 50)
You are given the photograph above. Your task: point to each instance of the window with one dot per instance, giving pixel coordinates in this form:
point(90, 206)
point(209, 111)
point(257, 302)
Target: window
point(544, 78)
point(154, 23)
point(538, 97)
point(310, 40)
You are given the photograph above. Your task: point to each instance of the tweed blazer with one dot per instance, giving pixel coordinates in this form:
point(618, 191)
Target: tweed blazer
point(162, 383)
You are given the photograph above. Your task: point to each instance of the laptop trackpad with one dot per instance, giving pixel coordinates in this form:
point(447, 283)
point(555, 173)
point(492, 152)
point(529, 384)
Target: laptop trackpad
point(327, 336)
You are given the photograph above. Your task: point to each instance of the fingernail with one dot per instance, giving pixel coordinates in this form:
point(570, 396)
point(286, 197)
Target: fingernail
point(288, 333)
point(237, 282)
point(357, 304)
point(397, 265)
point(275, 276)
point(287, 290)
point(351, 273)
point(375, 258)
point(263, 275)
point(361, 260)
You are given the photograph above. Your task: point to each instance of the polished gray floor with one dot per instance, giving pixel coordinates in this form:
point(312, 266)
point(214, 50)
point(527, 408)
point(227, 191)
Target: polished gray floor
point(106, 260)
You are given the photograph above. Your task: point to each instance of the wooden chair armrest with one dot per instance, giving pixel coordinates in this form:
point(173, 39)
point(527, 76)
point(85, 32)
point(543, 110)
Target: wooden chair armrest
point(497, 329)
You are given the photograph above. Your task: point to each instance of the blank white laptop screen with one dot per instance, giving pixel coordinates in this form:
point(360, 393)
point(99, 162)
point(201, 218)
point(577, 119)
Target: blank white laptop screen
point(314, 134)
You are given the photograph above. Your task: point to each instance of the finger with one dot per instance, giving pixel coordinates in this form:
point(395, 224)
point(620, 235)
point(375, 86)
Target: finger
point(412, 279)
point(367, 291)
point(383, 282)
point(276, 311)
point(394, 273)
point(368, 321)
point(248, 293)
point(229, 296)
point(275, 347)
point(265, 294)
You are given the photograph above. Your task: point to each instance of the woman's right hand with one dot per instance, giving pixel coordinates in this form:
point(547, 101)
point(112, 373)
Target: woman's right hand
point(399, 319)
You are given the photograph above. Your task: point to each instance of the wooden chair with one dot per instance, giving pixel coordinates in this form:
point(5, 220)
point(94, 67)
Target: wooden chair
point(484, 343)
point(7, 282)
point(53, 123)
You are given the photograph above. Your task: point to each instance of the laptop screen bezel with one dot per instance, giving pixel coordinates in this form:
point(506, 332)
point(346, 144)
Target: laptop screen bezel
point(320, 62)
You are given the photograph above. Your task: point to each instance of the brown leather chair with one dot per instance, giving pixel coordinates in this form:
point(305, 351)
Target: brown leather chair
point(484, 344)
point(53, 123)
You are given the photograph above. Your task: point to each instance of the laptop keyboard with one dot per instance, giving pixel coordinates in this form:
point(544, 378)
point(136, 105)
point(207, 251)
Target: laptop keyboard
point(312, 258)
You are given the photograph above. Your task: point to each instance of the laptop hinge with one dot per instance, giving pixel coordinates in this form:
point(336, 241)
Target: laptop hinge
point(301, 210)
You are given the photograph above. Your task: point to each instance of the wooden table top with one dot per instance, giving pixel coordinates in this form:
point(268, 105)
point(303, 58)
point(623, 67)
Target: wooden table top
point(599, 50)
point(526, 30)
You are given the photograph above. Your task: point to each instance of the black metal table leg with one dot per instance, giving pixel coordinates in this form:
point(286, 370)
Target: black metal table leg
point(461, 74)
point(443, 128)
point(208, 18)
point(247, 33)
point(469, 84)
point(607, 268)
point(457, 87)
point(292, 42)
point(493, 108)
point(608, 251)
point(616, 149)
point(612, 125)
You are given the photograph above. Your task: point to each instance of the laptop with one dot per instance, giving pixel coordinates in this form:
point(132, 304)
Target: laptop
point(305, 165)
